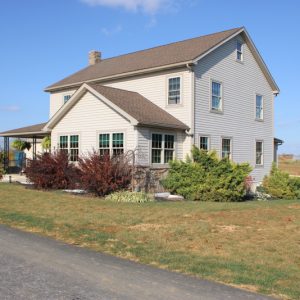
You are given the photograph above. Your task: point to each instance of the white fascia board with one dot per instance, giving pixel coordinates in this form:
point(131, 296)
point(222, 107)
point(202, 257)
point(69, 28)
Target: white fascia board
point(119, 76)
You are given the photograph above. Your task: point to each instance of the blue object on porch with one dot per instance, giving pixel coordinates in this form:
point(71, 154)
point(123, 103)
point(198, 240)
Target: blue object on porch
point(19, 158)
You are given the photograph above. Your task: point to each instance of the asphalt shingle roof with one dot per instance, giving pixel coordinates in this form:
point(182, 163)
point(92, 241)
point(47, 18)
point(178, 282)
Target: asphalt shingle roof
point(140, 108)
point(177, 52)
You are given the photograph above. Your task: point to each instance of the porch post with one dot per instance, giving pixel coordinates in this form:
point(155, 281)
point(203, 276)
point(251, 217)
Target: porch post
point(6, 153)
point(34, 147)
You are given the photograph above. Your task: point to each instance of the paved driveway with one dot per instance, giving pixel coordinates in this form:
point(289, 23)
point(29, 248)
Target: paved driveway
point(34, 267)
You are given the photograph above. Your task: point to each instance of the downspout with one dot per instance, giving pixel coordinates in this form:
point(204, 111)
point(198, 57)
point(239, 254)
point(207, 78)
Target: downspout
point(191, 132)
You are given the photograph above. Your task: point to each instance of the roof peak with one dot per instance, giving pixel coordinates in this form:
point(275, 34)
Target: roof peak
point(173, 43)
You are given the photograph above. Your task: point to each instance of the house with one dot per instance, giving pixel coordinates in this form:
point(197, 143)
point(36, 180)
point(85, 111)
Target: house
point(213, 91)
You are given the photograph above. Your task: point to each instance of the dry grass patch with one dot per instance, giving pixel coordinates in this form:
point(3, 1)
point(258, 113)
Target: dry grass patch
point(253, 245)
point(289, 165)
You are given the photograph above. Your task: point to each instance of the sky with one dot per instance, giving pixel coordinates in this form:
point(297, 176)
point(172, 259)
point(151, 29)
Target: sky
point(43, 41)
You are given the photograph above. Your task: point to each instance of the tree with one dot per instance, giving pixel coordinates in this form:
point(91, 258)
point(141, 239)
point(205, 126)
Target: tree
point(21, 145)
point(46, 143)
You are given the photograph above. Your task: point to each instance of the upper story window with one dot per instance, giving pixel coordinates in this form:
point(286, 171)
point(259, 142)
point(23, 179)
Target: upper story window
point(111, 143)
point(216, 96)
point(259, 107)
point(66, 98)
point(239, 51)
point(163, 148)
point(70, 145)
point(204, 143)
point(174, 90)
point(226, 148)
point(259, 153)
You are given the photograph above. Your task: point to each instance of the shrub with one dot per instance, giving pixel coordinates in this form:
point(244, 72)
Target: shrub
point(280, 185)
point(207, 178)
point(126, 196)
point(102, 175)
point(52, 171)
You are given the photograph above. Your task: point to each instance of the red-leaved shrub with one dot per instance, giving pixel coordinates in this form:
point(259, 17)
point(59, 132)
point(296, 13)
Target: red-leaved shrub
point(102, 175)
point(52, 171)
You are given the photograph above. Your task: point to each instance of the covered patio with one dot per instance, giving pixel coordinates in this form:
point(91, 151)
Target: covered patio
point(32, 134)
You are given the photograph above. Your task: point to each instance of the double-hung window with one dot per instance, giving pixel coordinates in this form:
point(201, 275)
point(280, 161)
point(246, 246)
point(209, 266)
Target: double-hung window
point(104, 144)
point(117, 144)
point(70, 145)
point(163, 148)
point(216, 96)
point(74, 147)
point(111, 144)
point(259, 153)
point(204, 143)
point(174, 90)
point(66, 98)
point(239, 51)
point(63, 143)
point(226, 148)
point(259, 107)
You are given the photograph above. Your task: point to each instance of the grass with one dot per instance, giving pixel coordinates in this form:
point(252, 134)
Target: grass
point(290, 166)
point(252, 245)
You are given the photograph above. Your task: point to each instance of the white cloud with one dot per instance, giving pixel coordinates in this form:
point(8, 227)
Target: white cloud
point(10, 108)
point(147, 6)
point(111, 31)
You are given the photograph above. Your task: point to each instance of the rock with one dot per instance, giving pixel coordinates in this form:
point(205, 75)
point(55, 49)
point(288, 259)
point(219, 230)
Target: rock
point(175, 198)
point(162, 195)
point(76, 191)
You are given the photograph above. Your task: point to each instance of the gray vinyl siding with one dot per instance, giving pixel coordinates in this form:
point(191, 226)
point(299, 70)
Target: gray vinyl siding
point(240, 83)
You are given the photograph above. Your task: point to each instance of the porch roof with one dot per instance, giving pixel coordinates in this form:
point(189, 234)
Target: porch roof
point(27, 132)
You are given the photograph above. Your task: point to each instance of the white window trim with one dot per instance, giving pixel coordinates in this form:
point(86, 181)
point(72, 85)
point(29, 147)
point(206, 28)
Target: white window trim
point(263, 108)
point(69, 142)
point(218, 111)
point(181, 90)
point(237, 51)
point(209, 140)
point(162, 164)
point(263, 151)
point(111, 132)
point(231, 146)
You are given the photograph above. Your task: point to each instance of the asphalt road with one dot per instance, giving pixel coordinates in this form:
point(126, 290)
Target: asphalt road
point(35, 267)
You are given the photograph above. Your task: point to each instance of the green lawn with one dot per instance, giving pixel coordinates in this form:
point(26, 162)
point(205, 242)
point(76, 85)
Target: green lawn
point(253, 245)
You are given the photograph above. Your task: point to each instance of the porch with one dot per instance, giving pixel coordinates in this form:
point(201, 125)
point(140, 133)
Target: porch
point(33, 134)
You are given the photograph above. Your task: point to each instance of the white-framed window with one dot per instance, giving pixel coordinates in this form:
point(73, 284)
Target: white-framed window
point(117, 143)
point(239, 51)
point(66, 98)
point(74, 147)
point(111, 143)
point(70, 145)
point(216, 96)
point(63, 143)
point(259, 107)
point(162, 148)
point(226, 148)
point(259, 153)
point(204, 142)
point(104, 144)
point(174, 90)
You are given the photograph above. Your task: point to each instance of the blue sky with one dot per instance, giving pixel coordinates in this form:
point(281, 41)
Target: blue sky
point(44, 41)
